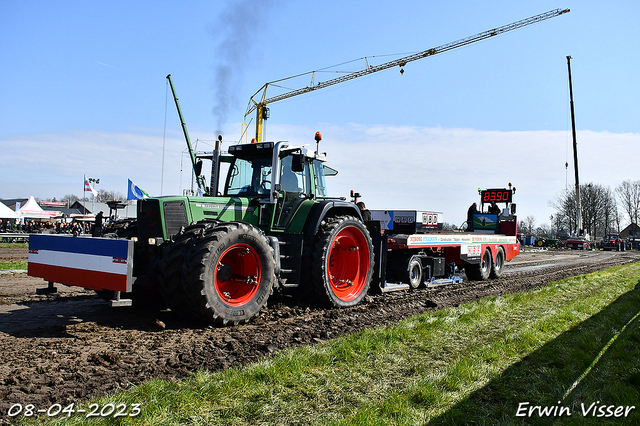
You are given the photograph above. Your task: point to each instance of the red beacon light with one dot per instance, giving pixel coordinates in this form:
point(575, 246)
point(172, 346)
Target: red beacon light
point(318, 138)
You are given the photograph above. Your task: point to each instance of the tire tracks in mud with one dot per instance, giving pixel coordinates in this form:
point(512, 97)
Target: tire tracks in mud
point(74, 348)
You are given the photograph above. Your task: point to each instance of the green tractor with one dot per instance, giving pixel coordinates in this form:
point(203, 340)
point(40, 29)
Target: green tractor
point(272, 227)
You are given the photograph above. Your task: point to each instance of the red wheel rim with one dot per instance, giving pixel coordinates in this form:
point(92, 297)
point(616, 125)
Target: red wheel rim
point(237, 274)
point(348, 263)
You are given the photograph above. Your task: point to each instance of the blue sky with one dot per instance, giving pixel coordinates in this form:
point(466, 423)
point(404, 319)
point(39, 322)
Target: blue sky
point(84, 92)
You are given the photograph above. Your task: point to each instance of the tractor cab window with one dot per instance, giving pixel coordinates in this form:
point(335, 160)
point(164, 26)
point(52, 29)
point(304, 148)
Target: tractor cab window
point(249, 178)
point(294, 182)
point(321, 171)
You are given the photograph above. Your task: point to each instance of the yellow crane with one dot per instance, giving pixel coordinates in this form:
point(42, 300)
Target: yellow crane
point(259, 100)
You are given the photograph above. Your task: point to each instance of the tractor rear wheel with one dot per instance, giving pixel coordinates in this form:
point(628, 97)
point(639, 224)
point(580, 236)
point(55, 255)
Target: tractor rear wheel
point(342, 261)
point(230, 273)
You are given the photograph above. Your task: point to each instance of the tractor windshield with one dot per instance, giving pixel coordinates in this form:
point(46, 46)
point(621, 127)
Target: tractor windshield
point(249, 178)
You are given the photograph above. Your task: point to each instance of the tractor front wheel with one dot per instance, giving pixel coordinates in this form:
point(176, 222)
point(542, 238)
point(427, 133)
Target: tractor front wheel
point(342, 264)
point(230, 273)
point(171, 266)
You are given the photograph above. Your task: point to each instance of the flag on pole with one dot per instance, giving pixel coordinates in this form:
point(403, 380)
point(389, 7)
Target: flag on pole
point(135, 192)
point(89, 188)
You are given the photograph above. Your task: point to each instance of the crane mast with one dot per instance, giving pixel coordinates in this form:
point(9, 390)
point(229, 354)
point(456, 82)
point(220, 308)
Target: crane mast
point(260, 106)
point(575, 153)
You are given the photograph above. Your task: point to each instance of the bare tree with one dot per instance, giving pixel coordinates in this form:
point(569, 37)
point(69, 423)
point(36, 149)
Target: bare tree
point(105, 196)
point(565, 217)
point(528, 225)
point(599, 210)
point(544, 230)
point(611, 218)
point(69, 199)
point(446, 226)
point(629, 197)
point(595, 199)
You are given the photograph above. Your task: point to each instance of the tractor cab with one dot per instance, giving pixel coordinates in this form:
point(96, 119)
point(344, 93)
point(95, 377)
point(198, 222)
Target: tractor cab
point(277, 179)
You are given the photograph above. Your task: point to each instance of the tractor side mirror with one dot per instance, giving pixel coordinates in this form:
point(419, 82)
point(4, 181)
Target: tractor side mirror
point(513, 208)
point(198, 168)
point(297, 163)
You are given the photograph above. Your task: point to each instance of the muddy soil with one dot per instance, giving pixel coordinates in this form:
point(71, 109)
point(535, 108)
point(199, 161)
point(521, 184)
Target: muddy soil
point(69, 346)
point(12, 254)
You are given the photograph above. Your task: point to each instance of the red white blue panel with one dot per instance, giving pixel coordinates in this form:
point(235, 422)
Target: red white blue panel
point(94, 263)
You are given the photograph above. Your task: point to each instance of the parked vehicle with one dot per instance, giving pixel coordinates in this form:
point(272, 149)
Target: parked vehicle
point(613, 242)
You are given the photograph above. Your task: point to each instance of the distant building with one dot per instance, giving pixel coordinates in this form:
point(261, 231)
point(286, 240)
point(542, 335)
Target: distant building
point(93, 208)
point(631, 231)
point(11, 202)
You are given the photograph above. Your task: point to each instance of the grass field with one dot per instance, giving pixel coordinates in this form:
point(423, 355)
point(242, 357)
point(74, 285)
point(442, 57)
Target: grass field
point(13, 265)
point(13, 245)
point(541, 357)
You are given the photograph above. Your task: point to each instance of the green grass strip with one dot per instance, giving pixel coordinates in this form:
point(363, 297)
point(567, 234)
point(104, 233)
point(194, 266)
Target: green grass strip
point(474, 364)
point(2, 245)
point(13, 265)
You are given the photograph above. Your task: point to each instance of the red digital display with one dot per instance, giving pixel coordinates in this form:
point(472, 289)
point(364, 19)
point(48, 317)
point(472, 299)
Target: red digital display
point(497, 195)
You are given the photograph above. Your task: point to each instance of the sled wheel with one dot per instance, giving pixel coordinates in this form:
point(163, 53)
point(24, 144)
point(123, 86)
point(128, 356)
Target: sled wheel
point(498, 265)
point(415, 273)
point(342, 261)
point(230, 273)
point(480, 271)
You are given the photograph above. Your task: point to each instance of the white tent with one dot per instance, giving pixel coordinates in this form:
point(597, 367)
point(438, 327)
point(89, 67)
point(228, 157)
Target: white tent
point(7, 213)
point(32, 209)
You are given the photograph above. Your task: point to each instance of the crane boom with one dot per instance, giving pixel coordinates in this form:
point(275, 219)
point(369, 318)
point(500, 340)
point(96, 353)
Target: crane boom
point(259, 106)
point(575, 153)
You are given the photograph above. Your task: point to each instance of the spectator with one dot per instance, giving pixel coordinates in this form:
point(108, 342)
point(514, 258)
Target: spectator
point(97, 225)
point(494, 209)
point(472, 210)
point(366, 214)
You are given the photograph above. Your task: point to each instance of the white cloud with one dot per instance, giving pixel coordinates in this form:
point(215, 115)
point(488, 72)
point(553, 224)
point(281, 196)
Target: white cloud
point(402, 167)
point(409, 167)
point(53, 164)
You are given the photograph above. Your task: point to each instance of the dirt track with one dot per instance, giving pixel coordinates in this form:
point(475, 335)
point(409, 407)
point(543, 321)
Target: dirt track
point(66, 347)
